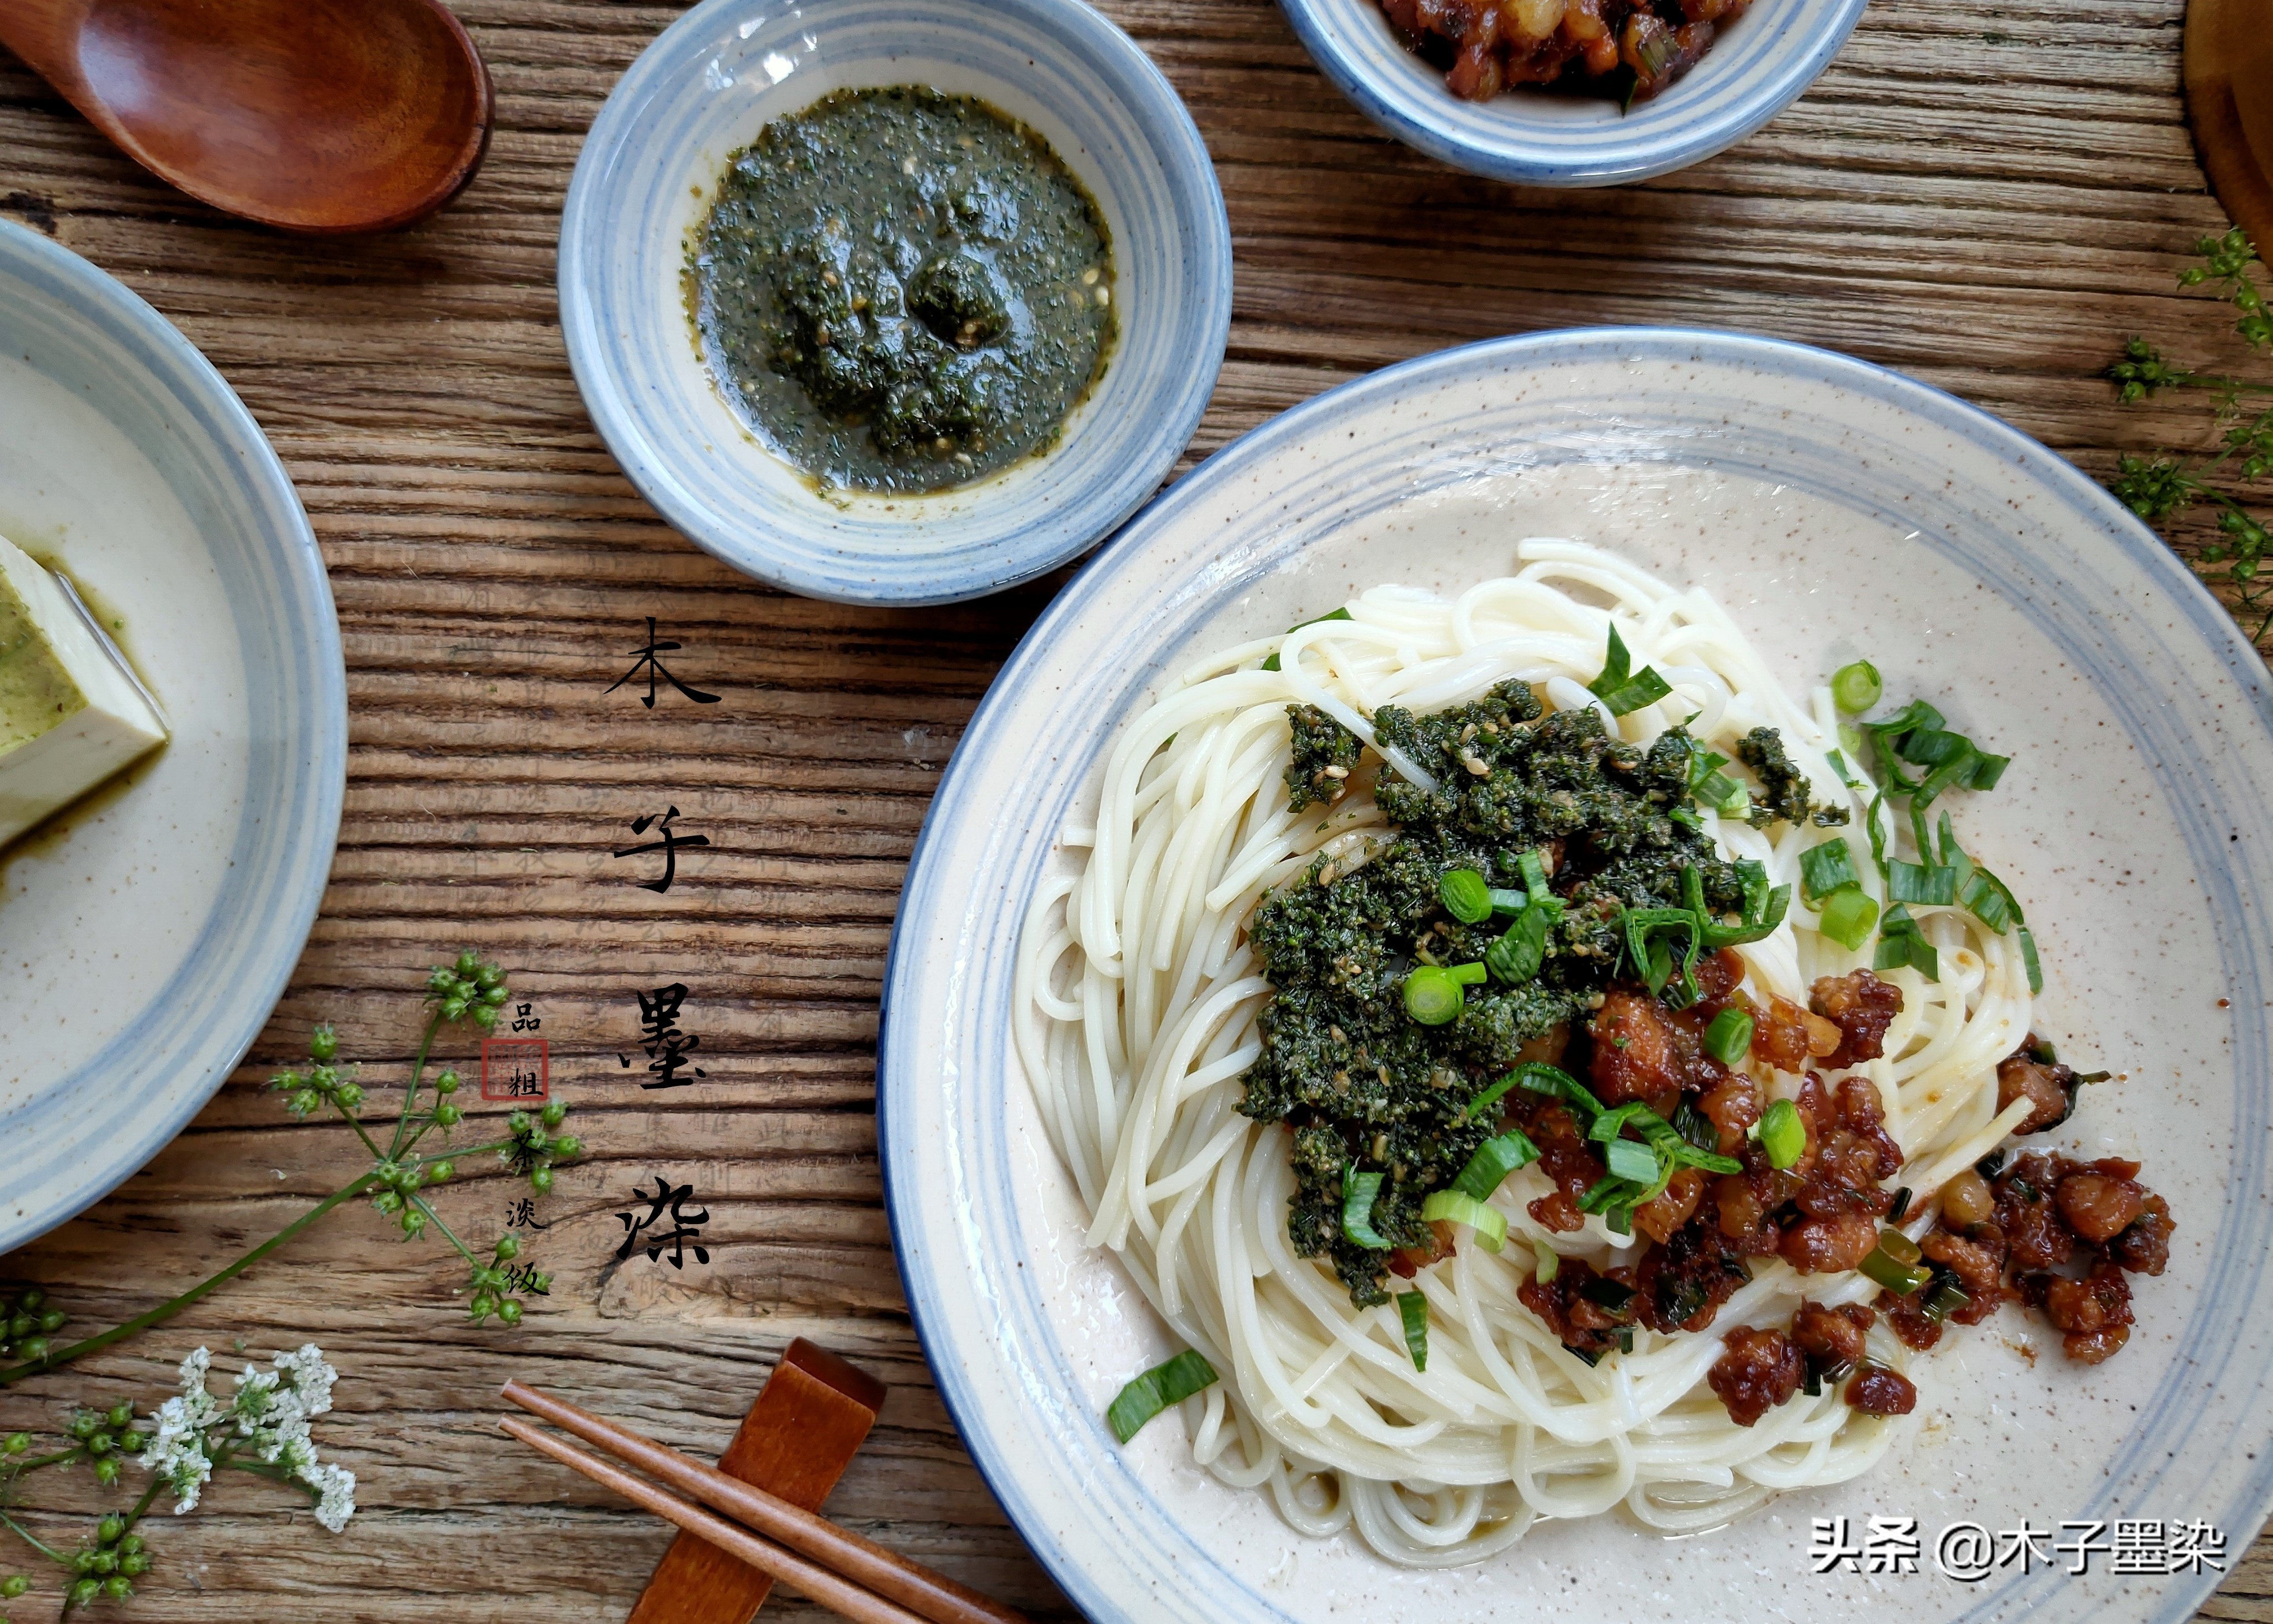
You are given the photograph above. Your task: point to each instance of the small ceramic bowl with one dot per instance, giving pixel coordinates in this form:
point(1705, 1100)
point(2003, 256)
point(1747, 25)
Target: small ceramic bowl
point(1757, 67)
point(648, 175)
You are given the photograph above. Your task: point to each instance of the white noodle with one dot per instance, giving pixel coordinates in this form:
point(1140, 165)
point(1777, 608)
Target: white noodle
point(1137, 1005)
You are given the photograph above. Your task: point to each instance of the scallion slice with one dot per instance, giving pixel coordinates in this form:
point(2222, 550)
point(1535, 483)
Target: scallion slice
point(1432, 995)
point(1620, 687)
point(1848, 915)
point(1604, 1292)
point(1728, 1037)
point(1539, 1078)
point(1508, 903)
point(1465, 895)
point(1891, 1271)
point(1546, 1264)
point(1359, 1190)
point(1902, 942)
point(1469, 975)
point(1494, 1161)
point(1824, 868)
point(1855, 687)
point(1156, 1389)
point(1922, 884)
point(1782, 1134)
point(1412, 1311)
point(1451, 1206)
point(2029, 958)
point(1899, 1247)
point(1628, 1160)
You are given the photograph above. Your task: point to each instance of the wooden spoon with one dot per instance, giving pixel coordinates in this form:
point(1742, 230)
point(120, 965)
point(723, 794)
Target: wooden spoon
point(321, 115)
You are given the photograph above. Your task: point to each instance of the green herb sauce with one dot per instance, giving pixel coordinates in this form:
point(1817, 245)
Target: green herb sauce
point(902, 291)
point(1358, 1080)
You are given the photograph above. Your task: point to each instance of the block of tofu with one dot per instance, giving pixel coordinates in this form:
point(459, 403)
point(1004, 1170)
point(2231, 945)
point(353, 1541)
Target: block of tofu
point(71, 711)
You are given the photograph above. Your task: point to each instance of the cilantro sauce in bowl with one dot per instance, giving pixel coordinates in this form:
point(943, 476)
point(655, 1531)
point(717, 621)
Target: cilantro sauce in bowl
point(1031, 289)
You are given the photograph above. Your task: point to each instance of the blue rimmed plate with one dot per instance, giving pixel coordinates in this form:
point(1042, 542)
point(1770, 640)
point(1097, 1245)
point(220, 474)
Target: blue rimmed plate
point(647, 172)
point(146, 933)
point(1834, 509)
point(1759, 65)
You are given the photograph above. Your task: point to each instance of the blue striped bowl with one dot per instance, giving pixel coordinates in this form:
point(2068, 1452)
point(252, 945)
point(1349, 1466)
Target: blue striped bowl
point(705, 88)
point(1758, 66)
point(147, 933)
point(1835, 509)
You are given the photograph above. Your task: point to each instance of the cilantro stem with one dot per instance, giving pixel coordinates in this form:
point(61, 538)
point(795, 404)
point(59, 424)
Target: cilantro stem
point(33, 1540)
point(166, 1311)
point(417, 1075)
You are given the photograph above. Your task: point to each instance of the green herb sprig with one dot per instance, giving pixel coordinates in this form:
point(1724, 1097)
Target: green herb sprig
point(2160, 488)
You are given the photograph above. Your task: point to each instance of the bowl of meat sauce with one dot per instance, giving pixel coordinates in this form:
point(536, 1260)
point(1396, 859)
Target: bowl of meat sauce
point(894, 302)
point(1571, 93)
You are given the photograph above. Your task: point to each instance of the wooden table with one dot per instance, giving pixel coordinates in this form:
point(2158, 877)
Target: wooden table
point(1986, 195)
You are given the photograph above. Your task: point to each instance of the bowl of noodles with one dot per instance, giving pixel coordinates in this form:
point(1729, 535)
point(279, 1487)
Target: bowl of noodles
point(1622, 966)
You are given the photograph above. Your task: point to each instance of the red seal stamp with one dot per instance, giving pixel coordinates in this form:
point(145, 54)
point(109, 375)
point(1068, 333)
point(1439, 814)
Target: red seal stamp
point(515, 1069)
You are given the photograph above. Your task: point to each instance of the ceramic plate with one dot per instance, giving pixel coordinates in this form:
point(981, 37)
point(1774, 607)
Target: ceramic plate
point(1833, 508)
point(1759, 65)
point(146, 933)
point(648, 172)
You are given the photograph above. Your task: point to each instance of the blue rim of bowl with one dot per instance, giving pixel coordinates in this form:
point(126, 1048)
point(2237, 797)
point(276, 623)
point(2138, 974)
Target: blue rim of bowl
point(1535, 351)
point(178, 364)
point(1141, 83)
point(1611, 162)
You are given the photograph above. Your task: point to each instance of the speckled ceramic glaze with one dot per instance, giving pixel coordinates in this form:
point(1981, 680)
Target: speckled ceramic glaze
point(1835, 509)
point(145, 934)
point(1758, 66)
point(648, 172)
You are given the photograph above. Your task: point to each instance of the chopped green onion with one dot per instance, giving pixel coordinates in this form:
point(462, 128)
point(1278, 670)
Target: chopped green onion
point(1782, 1134)
point(1986, 898)
point(1516, 957)
point(1628, 1160)
point(1711, 787)
point(1413, 1309)
point(1848, 915)
point(1730, 1036)
point(1465, 895)
point(1604, 1292)
point(1532, 866)
point(2029, 958)
point(1618, 1220)
point(1612, 1122)
point(1855, 688)
point(1652, 960)
point(1947, 1298)
point(1156, 1389)
point(1764, 909)
point(1987, 770)
point(1902, 942)
point(1469, 975)
point(1432, 995)
point(1507, 902)
point(1494, 1161)
point(1901, 1205)
point(1899, 1246)
point(1451, 1206)
point(1621, 688)
point(1918, 883)
point(1824, 868)
point(1547, 1263)
point(1358, 1192)
point(1695, 1126)
point(1891, 1271)
point(1337, 614)
point(1539, 1078)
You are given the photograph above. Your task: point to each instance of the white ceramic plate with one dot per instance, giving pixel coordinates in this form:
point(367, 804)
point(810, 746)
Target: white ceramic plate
point(146, 933)
point(1833, 508)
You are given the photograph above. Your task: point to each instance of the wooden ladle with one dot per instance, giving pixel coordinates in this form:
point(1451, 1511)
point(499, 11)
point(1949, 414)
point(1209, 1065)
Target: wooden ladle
point(321, 115)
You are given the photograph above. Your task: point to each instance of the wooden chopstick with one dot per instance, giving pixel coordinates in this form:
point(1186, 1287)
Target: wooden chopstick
point(840, 1595)
point(867, 1568)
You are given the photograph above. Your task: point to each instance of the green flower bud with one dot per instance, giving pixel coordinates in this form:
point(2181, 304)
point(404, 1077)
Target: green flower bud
point(453, 1008)
point(324, 1042)
point(35, 1350)
point(540, 1179)
point(485, 1017)
point(118, 1588)
point(569, 1147)
point(483, 1306)
point(84, 1591)
point(446, 1084)
point(439, 1172)
point(106, 1470)
point(105, 1562)
point(508, 1248)
point(110, 1529)
point(134, 1564)
point(20, 1325)
point(509, 1311)
point(18, 1443)
point(85, 1424)
point(489, 978)
point(54, 1320)
point(468, 963)
point(130, 1547)
point(13, 1586)
point(102, 1443)
point(134, 1443)
point(82, 1561)
point(495, 996)
point(553, 1115)
point(447, 1115)
point(414, 1223)
point(303, 1103)
point(350, 1094)
point(121, 1415)
point(388, 1202)
point(288, 1080)
point(32, 1299)
point(516, 1123)
point(440, 980)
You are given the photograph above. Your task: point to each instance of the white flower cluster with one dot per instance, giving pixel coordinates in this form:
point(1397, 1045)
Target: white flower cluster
point(267, 1418)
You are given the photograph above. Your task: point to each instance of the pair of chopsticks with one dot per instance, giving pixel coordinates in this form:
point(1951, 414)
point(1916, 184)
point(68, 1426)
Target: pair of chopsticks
point(831, 1564)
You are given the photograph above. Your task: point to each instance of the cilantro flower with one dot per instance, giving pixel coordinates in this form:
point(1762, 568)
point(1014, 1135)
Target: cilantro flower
point(266, 1418)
